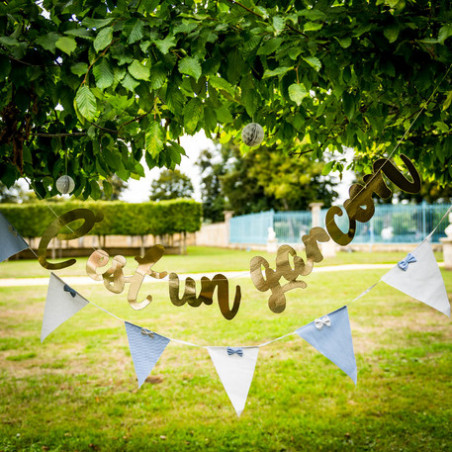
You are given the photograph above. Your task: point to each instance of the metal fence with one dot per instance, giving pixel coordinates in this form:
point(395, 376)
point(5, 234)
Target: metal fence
point(391, 223)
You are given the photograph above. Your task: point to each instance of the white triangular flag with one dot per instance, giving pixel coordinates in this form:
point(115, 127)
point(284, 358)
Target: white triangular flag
point(11, 242)
point(61, 304)
point(235, 367)
point(420, 278)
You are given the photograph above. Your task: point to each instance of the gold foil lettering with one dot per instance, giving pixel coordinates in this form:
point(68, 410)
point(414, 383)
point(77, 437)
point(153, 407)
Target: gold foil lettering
point(206, 295)
point(277, 300)
point(52, 231)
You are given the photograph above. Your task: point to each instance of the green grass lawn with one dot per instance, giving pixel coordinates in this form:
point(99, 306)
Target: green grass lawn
point(78, 390)
point(199, 259)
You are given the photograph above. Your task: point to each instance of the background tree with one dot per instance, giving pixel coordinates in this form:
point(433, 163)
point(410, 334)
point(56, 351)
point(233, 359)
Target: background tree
point(171, 185)
point(212, 166)
point(262, 179)
point(14, 194)
point(104, 84)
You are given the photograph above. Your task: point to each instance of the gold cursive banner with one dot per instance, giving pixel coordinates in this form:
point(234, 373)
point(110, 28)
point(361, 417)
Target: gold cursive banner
point(53, 229)
point(361, 196)
point(220, 282)
point(270, 279)
point(114, 278)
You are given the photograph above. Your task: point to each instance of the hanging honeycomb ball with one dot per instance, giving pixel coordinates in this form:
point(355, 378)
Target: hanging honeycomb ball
point(253, 134)
point(65, 184)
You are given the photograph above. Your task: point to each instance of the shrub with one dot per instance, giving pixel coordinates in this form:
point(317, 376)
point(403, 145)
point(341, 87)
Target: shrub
point(120, 218)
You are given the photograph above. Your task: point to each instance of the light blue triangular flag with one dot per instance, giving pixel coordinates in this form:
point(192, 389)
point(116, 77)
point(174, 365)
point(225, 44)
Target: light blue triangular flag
point(146, 348)
point(61, 304)
point(331, 335)
point(11, 242)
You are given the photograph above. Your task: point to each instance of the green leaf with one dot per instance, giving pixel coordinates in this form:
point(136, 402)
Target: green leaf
point(327, 168)
point(349, 104)
point(191, 67)
point(165, 44)
point(158, 76)
point(86, 102)
point(154, 139)
point(136, 33)
point(278, 24)
point(66, 44)
point(185, 28)
point(276, 72)
point(79, 33)
point(223, 115)
point(139, 71)
point(448, 101)
point(297, 92)
point(312, 14)
point(129, 83)
point(174, 98)
point(95, 190)
point(103, 39)
point(250, 100)
point(270, 46)
point(103, 74)
point(79, 68)
point(391, 33)
point(344, 42)
point(444, 33)
point(312, 26)
point(96, 23)
point(5, 66)
point(48, 41)
point(8, 41)
point(192, 114)
point(221, 83)
point(313, 62)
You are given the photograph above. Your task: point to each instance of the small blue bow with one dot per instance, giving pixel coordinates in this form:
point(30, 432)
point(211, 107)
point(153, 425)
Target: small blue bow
point(146, 332)
point(237, 351)
point(70, 290)
point(403, 264)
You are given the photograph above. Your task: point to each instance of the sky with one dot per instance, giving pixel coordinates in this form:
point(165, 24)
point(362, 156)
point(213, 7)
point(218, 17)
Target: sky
point(139, 190)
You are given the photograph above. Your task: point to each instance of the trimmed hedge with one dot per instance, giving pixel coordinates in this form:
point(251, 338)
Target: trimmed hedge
point(120, 218)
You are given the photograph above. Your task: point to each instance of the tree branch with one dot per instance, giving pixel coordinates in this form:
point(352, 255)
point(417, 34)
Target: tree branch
point(246, 8)
point(59, 135)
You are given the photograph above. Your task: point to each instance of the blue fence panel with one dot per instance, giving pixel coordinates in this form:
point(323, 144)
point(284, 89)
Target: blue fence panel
point(397, 223)
point(391, 223)
point(251, 228)
point(291, 226)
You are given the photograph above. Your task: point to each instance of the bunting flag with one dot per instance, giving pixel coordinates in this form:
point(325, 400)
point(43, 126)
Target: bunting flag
point(11, 242)
point(331, 335)
point(235, 367)
point(419, 277)
point(61, 304)
point(146, 348)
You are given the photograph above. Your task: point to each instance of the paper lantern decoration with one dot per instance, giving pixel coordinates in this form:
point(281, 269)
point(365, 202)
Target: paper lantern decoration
point(253, 134)
point(65, 184)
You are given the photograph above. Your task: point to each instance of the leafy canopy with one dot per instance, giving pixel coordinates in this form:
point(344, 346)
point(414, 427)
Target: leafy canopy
point(95, 86)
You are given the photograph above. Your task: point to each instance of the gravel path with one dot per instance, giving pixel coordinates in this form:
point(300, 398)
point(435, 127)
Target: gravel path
point(85, 280)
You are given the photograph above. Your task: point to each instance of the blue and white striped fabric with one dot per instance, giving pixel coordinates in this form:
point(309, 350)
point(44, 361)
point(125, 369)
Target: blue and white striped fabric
point(146, 348)
point(333, 340)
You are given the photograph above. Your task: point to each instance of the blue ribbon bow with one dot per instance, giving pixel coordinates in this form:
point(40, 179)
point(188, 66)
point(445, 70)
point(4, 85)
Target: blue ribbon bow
point(237, 351)
point(146, 332)
point(403, 264)
point(70, 290)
